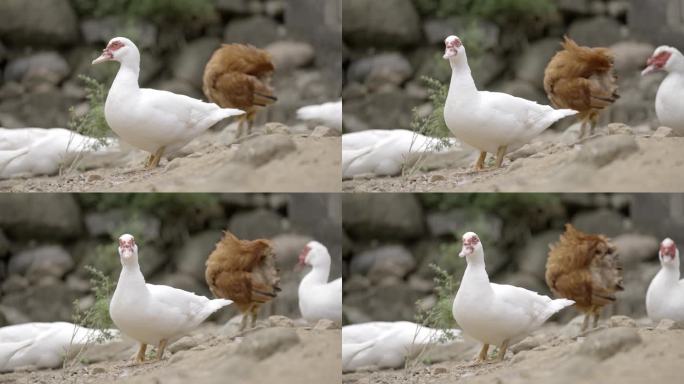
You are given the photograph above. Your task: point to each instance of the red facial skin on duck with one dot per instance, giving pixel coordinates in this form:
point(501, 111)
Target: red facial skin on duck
point(126, 246)
point(303, 254)
point(659, 61)
point(668, 250)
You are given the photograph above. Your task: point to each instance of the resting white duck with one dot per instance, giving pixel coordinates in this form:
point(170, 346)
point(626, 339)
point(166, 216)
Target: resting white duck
point(384, 152)
point(665, 294)
point(154, 314)
point(42, 345)
point(158, 122)
point(41, 151)
point(671, 91)
point(491, 122)
point(330, 114)
point(493, 313)
point(387, 344)
point(318, 298)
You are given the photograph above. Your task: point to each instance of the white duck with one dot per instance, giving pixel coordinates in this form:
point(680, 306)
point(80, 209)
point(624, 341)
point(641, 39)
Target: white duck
point(387, 344)
point(330, 114)
point(490, 121)
point(42, 345)
point(318, 298)
point(158, 122)
point(665, 294)
point(154, 314)
point(41, 151)
point(669, 97)
point(384, 152)
point(493, 313)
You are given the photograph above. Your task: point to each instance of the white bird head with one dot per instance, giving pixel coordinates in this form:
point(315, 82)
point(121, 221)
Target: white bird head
point(669, 254)
point(453, 47)
point(664, 58)
point(119, 49)
point(471, 243)
point(128, 249)
point(314, 254)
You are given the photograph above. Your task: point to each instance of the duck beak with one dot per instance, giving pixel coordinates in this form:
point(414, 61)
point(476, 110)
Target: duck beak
point(105, 56)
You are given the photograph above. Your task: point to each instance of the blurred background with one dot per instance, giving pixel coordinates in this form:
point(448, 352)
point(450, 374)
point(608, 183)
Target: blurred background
point(391, 240)
point(48, 240)
point(390, 45)
point(45, 45)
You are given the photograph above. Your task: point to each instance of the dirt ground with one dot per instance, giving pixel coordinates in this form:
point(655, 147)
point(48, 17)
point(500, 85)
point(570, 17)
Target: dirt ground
point(613, 353)
point(212, 163)
point(598, 165)
point(277, 354)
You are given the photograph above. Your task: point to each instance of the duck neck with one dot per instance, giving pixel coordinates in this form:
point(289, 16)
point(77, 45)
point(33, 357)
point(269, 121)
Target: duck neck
point(462, 84)
point(668, 274)
point(128, 74)
point(475, 274)
point(319, 273)
point(132, 278)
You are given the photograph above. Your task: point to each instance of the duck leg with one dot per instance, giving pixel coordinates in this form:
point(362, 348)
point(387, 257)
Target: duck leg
point(156, 158)
point(480, 161)
point(502, 350)
point(254, 311)
point(585, 323)
point(597, 314)
point(482, 356)
point(243, 322)
point(500, 152)
point(140, 357)
point(161, 348)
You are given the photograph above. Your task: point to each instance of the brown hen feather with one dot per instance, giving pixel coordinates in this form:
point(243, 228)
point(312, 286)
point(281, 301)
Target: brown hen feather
point(238, 76)
point(585, 268)
point(243, 271)
point(581, 78)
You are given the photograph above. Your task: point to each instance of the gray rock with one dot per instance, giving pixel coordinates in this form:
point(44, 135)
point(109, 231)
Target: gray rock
point(189, 64)
point(49, 260)
point(53, 216)
point(42, 23)
point(232, 7)
point(393, 216)
point(289, 55)
point(630, 56)
point(259, 223)
point(192, 256)
point(606, 343)
point(388, 260)
point(669, 324)
point(375, 71)
point(635, 248)
point(596, 32)
point(184, 344)
point(573, 6)
point(110, 223)
point(436, 30)
point(533, 256)
point(47, 107)
point(15, 283)
point(266, 342)
point(621, 321)
point(263, 149)
point(4, 245)
point(324, 324)
point(531, 64)
point(486, 68)
point(323, 131)
point(663, 132)
point(50, 302)
point(382, 303)
point(280, 321)
point(389, 23)
point(384, 110)
point(47, 67)
point(604, 221)
point(287, 247)
point(141, 32)
point(602, 151)
point(258, 31)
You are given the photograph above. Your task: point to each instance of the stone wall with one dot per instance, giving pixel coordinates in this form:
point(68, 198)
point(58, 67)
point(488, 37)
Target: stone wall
point(392, 239)
point(47, 239)
point(389, 46)
point(45, 45)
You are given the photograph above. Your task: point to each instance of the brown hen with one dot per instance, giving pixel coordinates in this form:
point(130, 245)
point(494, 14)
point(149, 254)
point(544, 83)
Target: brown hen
point(245, 272)
point(583, 79)
point(585, 268)
point(238, 76)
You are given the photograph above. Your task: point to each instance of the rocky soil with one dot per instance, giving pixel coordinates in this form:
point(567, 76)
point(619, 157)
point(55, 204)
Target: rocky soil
point(612, 161)
point(276, 351)
point(621, 350)
point(275, 159)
